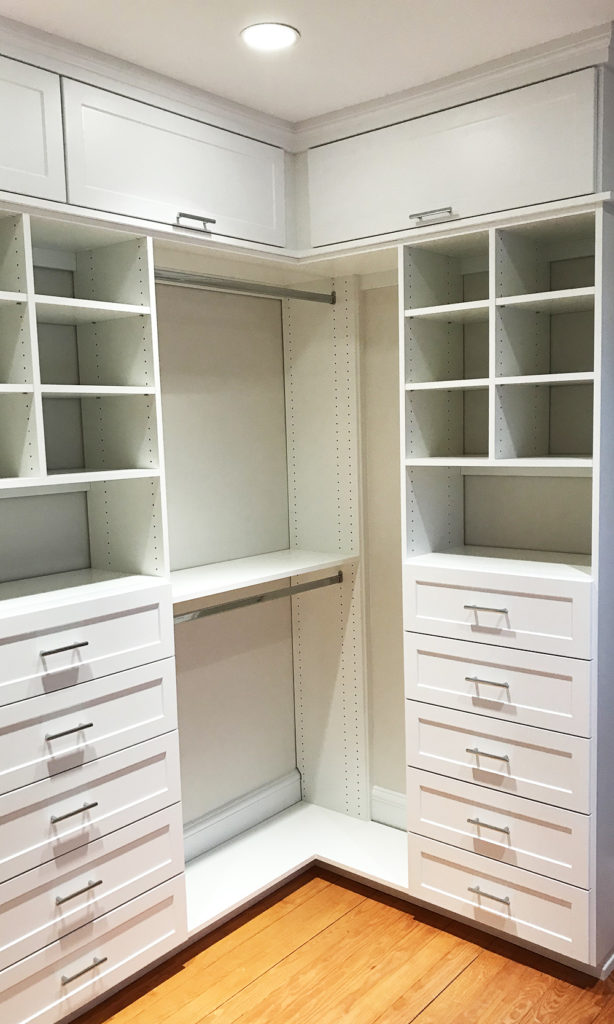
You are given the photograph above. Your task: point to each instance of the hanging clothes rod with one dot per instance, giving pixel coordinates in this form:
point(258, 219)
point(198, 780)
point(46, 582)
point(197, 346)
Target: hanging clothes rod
point(270, 595)
point(206, 282)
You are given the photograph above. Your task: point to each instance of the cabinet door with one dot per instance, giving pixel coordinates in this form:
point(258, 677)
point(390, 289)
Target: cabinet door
point(505, 151)
point(128, 157)
point(32, 152)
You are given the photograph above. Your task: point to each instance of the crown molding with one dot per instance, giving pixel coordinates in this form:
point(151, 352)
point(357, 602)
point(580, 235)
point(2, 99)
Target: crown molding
point(558, 57)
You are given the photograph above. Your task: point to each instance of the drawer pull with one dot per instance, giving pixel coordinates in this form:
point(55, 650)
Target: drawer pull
point(80, 810)
point(484, 824)
point(489, 896)
point(486, 753)
point(96, 962)
point(195, 216)
point(62, 650)
point(487, 682)
point(68, 732)
point(485, 608)
point(441, 212)
point(59, 900)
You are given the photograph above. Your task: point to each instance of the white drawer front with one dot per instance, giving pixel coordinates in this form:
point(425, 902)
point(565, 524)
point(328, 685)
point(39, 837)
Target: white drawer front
point(534, 763)
point(99, 797)
point(536, 614)
point(517, 686)
point(89, 882)
point(103, 635)
point(522, 833)
point(38, 989)
point(548, 913)
point(47, 735)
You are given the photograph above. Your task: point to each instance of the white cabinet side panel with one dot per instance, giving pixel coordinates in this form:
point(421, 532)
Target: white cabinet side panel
point(321, 348)
point(32, 159)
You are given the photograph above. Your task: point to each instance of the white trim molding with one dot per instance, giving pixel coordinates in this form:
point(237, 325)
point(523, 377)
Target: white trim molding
point(389, 807)
point(238, 816)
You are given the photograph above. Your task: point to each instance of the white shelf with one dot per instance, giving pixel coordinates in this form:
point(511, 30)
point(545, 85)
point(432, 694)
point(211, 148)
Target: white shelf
point(454, 312)
point(541, 564)
point(549, 378)
point(78, 477)
point(451, 460)
point(449, 385)
point(222, 577)
point(547, 463)
point(568, 300)
point(52, 309)
point(12, 298)
point(16, 389)
point(240, 871)
point(90, 391)
point(65, 587)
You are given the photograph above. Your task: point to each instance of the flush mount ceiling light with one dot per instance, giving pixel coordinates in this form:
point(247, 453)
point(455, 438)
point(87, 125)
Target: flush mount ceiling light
point(270, 35)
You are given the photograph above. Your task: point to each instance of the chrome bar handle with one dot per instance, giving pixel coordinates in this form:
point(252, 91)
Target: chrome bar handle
point(485, 753)
point(487, 682)
point(59, 900)
point(97, 961)
point(68, 732)
point(440, 213)
point(484, 824)
point(55, 818)
point(489, 896)
point(195, 216)
point(485, 608)
point(62, 650)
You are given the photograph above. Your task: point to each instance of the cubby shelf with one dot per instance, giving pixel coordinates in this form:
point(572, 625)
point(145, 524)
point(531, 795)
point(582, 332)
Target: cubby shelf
point(76, 479)
point(222, 577)
point(552, 463)
point(16, 389)
point(454, 312)
point(12, 298)
point(549, 378)
point(448, 385)
point(90, 391)
point(52, 309)
point(568, 300)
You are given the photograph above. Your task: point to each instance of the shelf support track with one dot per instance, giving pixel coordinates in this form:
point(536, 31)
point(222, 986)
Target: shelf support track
point(270, 595)
point(206, 282)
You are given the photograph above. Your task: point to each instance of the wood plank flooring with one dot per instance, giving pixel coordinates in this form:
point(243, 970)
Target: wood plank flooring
point(323, 950)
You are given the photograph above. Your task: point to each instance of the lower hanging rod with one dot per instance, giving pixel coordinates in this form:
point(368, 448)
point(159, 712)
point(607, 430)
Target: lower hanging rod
point(206, 282)
point(270, 595)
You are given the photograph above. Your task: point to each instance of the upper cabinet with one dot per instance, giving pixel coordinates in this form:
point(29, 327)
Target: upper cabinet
point(31, 150)
point(531, 145)
point(127, 157)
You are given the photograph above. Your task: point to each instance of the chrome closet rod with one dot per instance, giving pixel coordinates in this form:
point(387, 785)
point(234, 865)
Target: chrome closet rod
point(270, 595)
point(207, 282)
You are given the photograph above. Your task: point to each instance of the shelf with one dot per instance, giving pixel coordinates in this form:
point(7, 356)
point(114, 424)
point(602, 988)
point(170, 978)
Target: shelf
point(222, 577)
point(448, 385)
point(552, 463)
point(549, 378)
point(16, 389)
point(569, 300)
point(455, 312)
point(235, 874)
point(12, 298)
point(76, 479)
point(64, 587)
point(515, 561)
point(460, 460)
point(53, 309)
point(90, 391)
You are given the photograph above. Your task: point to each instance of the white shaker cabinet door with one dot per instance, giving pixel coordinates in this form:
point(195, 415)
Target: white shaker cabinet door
point(31, 145)
point(531, 145)
point(131, 158)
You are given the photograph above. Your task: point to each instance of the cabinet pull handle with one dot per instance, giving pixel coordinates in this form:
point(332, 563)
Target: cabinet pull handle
point(195, 216)
point(442, 211)
point(68, 732)
point(488, 682)
point(485, 753)
point(80, 810)
point(485, 608)
point(59, 900)
point(96, 962)
point(61, 650)
point(480, 892)
point(484, 824)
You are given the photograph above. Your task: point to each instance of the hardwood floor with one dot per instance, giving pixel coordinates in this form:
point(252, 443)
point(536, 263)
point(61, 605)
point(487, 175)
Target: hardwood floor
point(323, 950)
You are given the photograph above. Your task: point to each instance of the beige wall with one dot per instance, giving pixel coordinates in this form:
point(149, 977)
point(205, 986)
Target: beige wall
point(382, 507)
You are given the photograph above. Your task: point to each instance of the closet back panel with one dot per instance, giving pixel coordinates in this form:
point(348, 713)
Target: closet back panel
point(43, 534)
point(224, 425)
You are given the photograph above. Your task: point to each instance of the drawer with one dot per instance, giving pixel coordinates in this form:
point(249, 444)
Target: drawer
point(516, 686)
point(99, 956)
point(514, 902)
point(534, 612)
point(516, 759)
point(46, 649)
point(89, 882)
point(523, 833)
point(91, 801)
point(47, 735)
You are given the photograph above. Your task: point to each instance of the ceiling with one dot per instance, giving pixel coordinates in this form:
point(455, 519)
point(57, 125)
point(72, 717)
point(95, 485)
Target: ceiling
point(351, 50)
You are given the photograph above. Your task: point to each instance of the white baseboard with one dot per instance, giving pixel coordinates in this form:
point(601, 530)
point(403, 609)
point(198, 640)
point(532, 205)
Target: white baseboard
point(237, 816)
point(389, 807)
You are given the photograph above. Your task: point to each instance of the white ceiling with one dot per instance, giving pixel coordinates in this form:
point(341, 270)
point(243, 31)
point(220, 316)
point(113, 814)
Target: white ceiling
point(350, 51)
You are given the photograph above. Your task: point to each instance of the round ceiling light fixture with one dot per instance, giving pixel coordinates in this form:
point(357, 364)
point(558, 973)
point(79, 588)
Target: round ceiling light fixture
point(270, 36)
